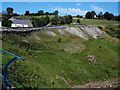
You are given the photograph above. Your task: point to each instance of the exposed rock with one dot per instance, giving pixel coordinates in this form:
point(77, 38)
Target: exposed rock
point(25, 41)
point(113, 83)
point(92, 31)
point(76, 31)
point(91, 58)
point(86, 32)
point(51, 33)
point(61, 31)
point(36, 37)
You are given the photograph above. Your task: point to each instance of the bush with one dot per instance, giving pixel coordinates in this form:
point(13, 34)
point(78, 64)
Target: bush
point(68, 19)
point(39, 22)
point(55, 20)
point(61, 20)
point(6, 23)
point(78, 20)
point(113, 31)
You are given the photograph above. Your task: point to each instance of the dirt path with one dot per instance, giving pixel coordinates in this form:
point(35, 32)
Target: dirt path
point(113, 83)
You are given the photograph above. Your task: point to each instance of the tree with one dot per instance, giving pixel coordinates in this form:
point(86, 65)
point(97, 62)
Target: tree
point(39, 22)
point(93, 13)
point(27, 12)
point(100, 15)
point(47, 13)
point(61, 20)
point(88, 15)
point(40, 12)
point(55, 20)
point(47, 19)
point(68, 19)
point(78, 16)
point(117, 18)
point(78, 20)
point(6, 23)
point(15, 14)
point(55, 12)
point(108, 16)
point(9, 10)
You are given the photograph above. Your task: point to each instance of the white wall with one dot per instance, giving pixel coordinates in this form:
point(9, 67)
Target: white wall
point(19, 25)
point(0, 24)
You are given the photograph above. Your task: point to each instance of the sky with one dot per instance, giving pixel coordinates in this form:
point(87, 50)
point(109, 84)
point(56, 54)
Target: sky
point(71, 8)
point(60, 0)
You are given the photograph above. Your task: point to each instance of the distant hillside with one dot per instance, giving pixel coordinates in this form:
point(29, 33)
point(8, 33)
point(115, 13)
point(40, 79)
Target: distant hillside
point(83, 21)
point(75, 54)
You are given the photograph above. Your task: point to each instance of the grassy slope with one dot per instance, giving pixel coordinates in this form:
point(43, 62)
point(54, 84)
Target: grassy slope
point(49, 60)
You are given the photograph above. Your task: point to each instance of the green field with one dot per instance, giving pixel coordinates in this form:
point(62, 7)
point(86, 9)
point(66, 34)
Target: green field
point(47, 59)
point(97, 22)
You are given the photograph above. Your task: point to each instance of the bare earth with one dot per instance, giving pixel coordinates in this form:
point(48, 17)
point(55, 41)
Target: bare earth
point(113, 83)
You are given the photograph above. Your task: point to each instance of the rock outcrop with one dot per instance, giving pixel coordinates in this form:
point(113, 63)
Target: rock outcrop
point(86, 32)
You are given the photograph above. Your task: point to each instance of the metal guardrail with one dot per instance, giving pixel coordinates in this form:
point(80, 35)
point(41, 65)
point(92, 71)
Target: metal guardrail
point(45, 27)
point(37, 28)
point(4, 76)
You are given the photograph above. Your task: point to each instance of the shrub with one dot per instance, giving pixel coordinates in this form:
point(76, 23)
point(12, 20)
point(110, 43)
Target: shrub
point(6, 23)
point(39, 22)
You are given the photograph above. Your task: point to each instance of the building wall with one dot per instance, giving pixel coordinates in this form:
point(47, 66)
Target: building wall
point(0, 24)
point(19, 25)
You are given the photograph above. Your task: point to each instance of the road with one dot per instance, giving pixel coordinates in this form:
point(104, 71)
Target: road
point(28, 29)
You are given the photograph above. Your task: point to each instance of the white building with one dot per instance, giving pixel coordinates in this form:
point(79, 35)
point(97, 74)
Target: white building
point(18, 22)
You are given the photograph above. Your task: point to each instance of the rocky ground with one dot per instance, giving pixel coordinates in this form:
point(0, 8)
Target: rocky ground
point(113, 83)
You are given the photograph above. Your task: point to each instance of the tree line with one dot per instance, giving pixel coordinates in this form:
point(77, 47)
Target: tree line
point(38, 22)
point(106, 15)
point(56, 19)
point(40, 12)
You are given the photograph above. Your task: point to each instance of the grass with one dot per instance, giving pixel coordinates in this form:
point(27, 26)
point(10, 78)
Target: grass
point(46, 60)
point(97, 22)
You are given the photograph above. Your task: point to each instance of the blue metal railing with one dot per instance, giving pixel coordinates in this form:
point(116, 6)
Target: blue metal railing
point(6, 81)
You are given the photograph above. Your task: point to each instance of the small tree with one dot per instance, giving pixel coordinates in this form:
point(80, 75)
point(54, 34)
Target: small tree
point(117, 18)
point(55, 20)
point(68, 19)
point(39, 22)
point(61, 20)
point(100, 15)
point(9, 10)
point(47, 19)
point(78, 16)
point(93, 13)
point(108, 16)
point(55, 12)
point(27, 12)
point(88, 15)
point(78, 20)
point(47, 13)
point(6, 23)
point(40, 12)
